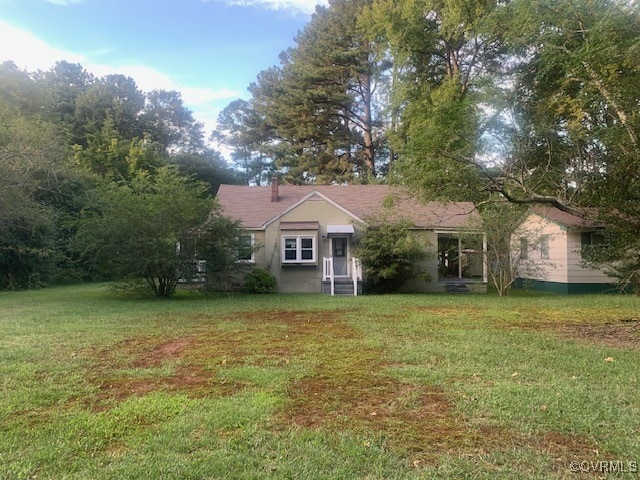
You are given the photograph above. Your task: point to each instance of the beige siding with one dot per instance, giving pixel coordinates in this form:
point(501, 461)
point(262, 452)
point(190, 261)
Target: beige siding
point(259, 249)
point(430, 265)
point(307, 278)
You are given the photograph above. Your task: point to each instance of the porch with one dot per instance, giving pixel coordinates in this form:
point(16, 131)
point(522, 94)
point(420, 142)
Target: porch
point(348, 283)
point(462, 266)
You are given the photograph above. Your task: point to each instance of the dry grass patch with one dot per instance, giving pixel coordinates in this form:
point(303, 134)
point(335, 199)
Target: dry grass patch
point(343, 386)
point(624, 333)
point(191, 364)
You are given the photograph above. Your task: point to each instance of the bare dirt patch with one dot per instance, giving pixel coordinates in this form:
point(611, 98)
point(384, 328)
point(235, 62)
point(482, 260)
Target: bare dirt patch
point(171, 349)
point(346, 388)
point(419, 422)
point(621, 334)
point(193, 361)
point(447, 311)
point(138, 366)
point(564, 447)
point(349, 391)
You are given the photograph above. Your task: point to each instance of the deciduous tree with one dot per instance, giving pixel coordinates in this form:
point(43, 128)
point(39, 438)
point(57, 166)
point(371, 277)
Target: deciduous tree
point(167, 121)
point(132, 230)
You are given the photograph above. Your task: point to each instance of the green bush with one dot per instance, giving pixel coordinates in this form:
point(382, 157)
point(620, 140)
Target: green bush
point(391, 254)
point(259, 281)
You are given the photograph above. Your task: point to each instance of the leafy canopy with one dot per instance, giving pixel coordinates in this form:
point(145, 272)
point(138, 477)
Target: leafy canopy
point(132, 230)
point(391, 253)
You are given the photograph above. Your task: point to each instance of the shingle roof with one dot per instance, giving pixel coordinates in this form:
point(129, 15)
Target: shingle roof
point(565, 219)
point(253, 206)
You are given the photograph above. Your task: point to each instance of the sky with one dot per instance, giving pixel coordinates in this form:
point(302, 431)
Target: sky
point(208, 50)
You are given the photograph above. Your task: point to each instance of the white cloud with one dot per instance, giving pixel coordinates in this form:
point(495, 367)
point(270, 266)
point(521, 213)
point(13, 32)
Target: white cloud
point(28, 51)
point(202, 101)
point(298, 6)
point(201, 95)
point(31, 53)
point(64, 2)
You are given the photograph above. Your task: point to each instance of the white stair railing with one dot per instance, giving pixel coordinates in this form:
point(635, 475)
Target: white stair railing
point(328, 273)
point(356, 274)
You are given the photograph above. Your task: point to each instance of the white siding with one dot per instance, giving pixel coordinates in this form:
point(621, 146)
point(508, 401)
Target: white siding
point(576, 273)
point(553, 269)
point(563, 265)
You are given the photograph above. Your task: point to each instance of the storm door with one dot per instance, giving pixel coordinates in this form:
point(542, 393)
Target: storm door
point(339, 246)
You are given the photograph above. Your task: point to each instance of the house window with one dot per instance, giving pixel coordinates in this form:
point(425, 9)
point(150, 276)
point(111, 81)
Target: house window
point(524, 248)
point(591, 241)
point(246, 248)
point(595, 239)
point(298, 249)
point(544, 247)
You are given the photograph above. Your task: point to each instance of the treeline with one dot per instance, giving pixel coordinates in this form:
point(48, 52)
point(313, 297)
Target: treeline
point(444, 95)
point(518, 101)
point(510, 101)
point(66, 138)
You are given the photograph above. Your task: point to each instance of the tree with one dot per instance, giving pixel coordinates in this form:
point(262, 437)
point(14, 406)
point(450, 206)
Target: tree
point(19, 90)
point(572, 129)
point(31, 161)
point(115, 98)
point(61, 132)
point(336, 64)
point(391, 253)
point(242, 128)
point(208, 167)
point(440, 136)
point(64, 84)
point(111, 156)
point(535, 100)
point(441, 58)
point(318, 110)
point(131, 230)
point(500, 220)
point(572, 119)
point(217, 243)
point(167, 121)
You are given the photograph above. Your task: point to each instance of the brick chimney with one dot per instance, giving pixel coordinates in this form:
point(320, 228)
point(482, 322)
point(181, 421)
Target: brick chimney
point(274, 189)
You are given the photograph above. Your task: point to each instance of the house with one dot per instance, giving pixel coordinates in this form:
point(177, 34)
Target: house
point(549, 245)
point(306, 235)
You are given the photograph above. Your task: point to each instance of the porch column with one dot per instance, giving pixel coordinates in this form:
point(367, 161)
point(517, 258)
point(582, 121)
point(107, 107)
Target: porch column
point(485, 259)
point(459, 257)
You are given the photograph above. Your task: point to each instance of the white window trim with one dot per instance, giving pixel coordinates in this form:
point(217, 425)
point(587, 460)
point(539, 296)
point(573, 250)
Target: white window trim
point(298, 259)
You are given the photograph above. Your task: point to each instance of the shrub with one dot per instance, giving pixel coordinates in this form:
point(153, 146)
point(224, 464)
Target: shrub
point(260, 281)
point(391, 254)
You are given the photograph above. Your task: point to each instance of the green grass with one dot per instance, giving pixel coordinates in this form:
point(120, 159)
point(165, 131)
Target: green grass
point(302, 386)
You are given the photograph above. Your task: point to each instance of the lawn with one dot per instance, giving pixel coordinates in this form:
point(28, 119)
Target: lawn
point(315, 387)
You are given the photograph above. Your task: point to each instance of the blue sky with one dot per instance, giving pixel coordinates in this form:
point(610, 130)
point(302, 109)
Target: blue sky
point(209, 50)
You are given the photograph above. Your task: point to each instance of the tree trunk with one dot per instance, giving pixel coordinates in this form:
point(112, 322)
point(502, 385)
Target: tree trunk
point(367, 121)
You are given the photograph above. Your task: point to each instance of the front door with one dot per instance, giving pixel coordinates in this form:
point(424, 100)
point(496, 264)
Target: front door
point(339, 247)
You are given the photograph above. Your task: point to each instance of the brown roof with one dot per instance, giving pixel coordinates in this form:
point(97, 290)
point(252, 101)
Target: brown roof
point(253, 206)
point(565, 219)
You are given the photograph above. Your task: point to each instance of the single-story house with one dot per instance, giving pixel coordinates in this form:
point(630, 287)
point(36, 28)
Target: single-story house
point(549, 245)
point(306, 235)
